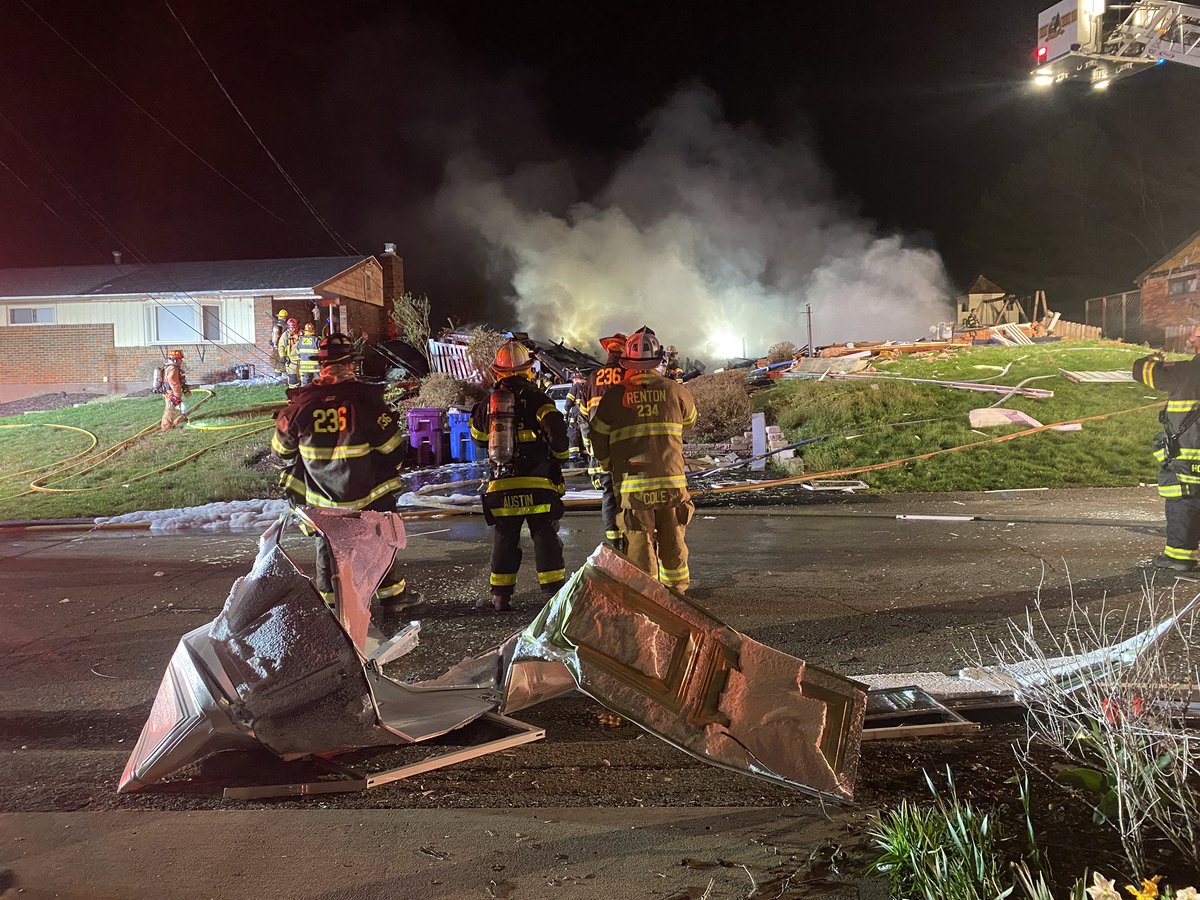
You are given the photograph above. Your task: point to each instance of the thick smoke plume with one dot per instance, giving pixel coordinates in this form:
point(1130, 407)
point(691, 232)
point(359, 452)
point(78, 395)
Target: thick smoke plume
point(710, 234)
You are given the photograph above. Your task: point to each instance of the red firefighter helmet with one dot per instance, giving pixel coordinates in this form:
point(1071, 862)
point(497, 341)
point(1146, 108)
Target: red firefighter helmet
point(614, 342)
point(292, 325)
point(176, 355)
point(513, 358)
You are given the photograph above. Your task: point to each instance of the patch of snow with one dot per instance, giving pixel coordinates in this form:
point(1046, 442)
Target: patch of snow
point(232, 515)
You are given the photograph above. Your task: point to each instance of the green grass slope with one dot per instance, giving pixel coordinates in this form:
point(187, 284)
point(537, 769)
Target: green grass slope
point(126, 482)
point(878, 421)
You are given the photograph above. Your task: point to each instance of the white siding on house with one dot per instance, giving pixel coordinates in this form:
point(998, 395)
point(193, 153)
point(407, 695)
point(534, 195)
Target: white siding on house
point(132, 319)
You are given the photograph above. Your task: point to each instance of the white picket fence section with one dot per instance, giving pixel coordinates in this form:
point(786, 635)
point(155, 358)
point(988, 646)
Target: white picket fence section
point(452, 360)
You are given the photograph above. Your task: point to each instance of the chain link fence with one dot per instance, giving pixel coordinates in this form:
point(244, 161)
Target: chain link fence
point(1118, 315)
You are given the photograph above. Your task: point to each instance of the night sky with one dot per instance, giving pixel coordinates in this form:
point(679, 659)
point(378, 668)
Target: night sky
point(917, 108)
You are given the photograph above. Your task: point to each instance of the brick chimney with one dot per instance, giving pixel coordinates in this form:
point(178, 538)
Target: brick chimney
point(393, 285)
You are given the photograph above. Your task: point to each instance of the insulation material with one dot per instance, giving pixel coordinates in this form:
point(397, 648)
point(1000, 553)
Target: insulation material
point(1123, 376)
point(990, 417)
point(659, 660)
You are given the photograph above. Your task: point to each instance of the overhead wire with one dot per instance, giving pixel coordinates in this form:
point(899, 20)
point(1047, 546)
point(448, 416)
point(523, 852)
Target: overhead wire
point(342, 243)
point(180, 141)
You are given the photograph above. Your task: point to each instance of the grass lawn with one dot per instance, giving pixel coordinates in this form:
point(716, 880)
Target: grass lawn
point(127, 482)
point(1111, 453)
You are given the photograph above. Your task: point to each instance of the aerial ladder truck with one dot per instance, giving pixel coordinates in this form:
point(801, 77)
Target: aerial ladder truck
point(1097, 43)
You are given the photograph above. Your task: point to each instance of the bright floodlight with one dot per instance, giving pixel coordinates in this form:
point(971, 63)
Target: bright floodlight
point(1043, 80)
point(1101, 85)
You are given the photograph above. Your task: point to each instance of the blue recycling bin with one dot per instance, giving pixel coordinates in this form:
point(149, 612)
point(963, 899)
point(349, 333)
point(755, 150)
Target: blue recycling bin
point(462, 448)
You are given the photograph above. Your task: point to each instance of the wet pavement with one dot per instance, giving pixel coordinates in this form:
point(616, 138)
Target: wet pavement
point(88, 622)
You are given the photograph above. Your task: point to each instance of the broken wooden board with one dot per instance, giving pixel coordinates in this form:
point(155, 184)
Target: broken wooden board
point(1122, 376)
point(909, 711)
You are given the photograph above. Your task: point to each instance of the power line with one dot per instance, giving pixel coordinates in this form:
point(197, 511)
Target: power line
point(180, 141)
point(122, 242)
point(343, 245)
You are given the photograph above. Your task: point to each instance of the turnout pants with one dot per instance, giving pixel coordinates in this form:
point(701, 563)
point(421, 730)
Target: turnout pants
point(610, 512)
point(1183, 528)
point(656, 542)
point(506, 552)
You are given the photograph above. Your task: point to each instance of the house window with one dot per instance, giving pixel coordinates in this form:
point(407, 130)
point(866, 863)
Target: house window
point(1183, 285)
point(183, 323)
point(31, 315)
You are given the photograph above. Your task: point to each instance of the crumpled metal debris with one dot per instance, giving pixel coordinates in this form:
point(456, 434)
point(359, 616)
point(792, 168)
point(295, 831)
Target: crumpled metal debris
point(277, 669)
point(656, 658)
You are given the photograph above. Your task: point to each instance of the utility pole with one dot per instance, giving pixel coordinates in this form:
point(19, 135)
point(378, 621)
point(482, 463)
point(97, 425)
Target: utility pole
point(812, 351)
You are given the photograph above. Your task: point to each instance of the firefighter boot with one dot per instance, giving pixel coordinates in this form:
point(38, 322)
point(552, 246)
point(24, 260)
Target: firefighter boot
point(1178, 565)
point(495, 602)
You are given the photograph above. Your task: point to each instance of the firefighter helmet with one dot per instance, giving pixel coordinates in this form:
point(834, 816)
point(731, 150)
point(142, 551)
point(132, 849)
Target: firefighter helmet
point(282, 314)
point(292, 324)
point(513, 358)
point(643, 352)
point(671, 351)
point(309, 329)
point(175, 354)
point(614, 343)
point(337, 348)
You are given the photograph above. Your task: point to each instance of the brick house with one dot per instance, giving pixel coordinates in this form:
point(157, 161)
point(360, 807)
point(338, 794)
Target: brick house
point(107, 327)
point(1171, 290)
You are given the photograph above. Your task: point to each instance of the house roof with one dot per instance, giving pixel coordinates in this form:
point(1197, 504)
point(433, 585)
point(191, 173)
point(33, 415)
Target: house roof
point(257, 275)
point(983, 285)
point(1158, 266)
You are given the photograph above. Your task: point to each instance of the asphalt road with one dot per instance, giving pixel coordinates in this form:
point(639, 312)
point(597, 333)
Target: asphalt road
point(87, 624)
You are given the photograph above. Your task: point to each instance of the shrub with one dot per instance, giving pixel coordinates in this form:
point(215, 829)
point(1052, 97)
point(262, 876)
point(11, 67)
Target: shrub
point(443, 391)
point(782, 352)
point(722, 405)
point(482, 344)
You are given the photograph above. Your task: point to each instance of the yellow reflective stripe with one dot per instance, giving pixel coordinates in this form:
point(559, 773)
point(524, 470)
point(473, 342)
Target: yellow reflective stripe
point(546, 410)
point(682, 570)
point(612, 534)
point(499, 580)
point(1148, 374)
point(563, 456)
point(1182, 405)
point(526, 435)
point(1189, 453)
point(1180, 553)
point(601, 427)
point(551, 577)
point(649, 429)
point(690, 419)
point(631, 483)
point(1188, 479)
point(312, 498)
point(674, 574)
point(481, 436)
point(397, 588)
point(1160, 455)
point(522, 510)
point(347, 451)
point(278, 446)
point(522, 484)
point(392, 443)
point(1170, 490)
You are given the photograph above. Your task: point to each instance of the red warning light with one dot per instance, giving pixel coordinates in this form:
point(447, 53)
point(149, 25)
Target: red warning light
point(1042, 51)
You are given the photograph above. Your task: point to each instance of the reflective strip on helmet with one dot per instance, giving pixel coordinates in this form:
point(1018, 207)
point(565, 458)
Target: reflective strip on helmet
point(551, 577)
point(502, 580)
point(522, 510)
point(649, 429)
point(312, 498)
point(632, 483)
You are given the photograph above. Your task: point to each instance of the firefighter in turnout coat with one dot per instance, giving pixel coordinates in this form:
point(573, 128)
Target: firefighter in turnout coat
point(637, 433)
point(525, 439)
point(342, 450)
point(175, 389)
point(1177, 450)
point(587, 401)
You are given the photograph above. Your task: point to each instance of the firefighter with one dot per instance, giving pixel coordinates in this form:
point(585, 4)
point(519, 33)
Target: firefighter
point(637, 434)
point(342, 450)
point(306, 352)
point(670, 365)
point(598, 383)
point(289, 357)
point(525, 439)
point(574, 415)
point(1177, 450)
point(175, 389)
point(278, 327)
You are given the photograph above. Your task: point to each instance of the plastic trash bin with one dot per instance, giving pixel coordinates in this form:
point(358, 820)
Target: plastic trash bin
point(425, 430)
point(462, 448)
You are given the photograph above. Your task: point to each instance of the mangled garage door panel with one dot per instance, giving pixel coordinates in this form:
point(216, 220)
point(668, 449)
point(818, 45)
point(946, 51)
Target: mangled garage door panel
point(656, 658)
